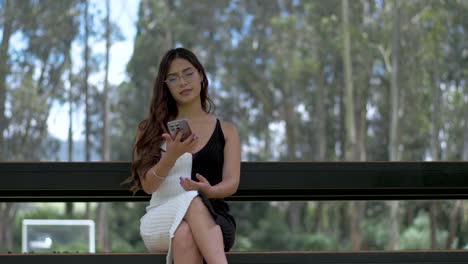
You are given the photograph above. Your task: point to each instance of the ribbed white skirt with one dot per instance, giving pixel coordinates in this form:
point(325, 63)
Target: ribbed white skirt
point(167, 208)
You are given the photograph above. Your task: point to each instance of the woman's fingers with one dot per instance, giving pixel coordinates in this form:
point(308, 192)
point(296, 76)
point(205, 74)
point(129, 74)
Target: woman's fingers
point(167, 137)
point(188, 184)
point(178, 137)
point(191, 141)
point(201, 178)
point(194, 140)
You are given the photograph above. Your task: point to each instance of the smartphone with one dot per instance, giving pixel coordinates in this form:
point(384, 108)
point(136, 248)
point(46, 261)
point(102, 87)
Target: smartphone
point(179, 126)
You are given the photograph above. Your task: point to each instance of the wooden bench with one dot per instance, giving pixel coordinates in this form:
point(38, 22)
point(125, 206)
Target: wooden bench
point(260, 181)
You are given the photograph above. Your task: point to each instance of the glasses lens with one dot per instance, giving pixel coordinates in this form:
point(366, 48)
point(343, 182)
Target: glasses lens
point(172, 81)
point(189, 76)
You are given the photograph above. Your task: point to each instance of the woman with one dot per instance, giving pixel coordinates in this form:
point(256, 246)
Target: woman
point(187, 179)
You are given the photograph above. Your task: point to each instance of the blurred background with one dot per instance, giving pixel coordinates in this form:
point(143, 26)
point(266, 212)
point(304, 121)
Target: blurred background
point(335, 80)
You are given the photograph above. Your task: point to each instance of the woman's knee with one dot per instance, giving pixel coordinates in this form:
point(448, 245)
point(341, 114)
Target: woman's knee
point(183, 238)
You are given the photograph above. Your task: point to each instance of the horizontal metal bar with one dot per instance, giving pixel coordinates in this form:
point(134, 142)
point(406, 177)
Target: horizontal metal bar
point(337, 257)
point(102, 181)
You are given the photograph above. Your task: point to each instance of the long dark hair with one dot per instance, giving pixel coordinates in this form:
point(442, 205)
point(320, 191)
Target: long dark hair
point(163, 108)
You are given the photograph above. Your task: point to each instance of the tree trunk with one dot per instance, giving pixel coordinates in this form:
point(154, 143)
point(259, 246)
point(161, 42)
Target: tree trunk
point(105, 132)
point(394, 243)
point(11, 226)
point(69, 205)
point(267, 148)
point(103, 208)
point(7, 222)
point(85, 83)
point(321, 137)
point(2, 224)
point(295, 209)
point(433, 224)
point(70, 111)
point(435, 142)
point(362, 129)
point(342, 122)
point(355, 215)
point(349, 93)
point(86, 91)
point(169, 39)
point(453, 224)
point(321, 114)
point(435, 124)
point(394, 91)
point(351, 147)
point(103, 241)
point(4, 69)
point(465, 137)
point(7, 31)
point(290, 122)
point(319, 213)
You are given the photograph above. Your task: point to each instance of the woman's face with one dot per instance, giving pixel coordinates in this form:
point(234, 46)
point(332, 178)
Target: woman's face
point(184, 81)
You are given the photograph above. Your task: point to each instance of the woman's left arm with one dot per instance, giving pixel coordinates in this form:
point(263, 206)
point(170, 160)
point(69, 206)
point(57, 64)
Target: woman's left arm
point(231, 168)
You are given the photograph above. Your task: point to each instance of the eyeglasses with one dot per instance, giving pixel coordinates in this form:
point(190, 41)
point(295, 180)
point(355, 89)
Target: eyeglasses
point(174, 80)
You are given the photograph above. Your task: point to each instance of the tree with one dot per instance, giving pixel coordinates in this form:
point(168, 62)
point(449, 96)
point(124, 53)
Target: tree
point(7, 30)
point(393, 145)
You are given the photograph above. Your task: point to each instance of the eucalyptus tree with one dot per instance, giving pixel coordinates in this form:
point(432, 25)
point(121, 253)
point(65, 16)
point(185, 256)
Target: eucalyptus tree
point(31, 78)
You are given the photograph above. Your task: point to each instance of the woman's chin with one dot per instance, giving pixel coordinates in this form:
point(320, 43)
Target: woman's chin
point(185, 100)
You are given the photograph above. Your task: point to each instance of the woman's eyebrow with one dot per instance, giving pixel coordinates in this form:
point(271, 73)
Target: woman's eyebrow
point(184, 70)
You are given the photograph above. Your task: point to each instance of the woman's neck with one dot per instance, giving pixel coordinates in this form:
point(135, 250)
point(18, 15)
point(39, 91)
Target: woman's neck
point(191, 111)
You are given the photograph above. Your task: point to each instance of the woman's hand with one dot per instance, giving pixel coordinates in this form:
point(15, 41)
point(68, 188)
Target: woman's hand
point(176, 147)
point(202, 185)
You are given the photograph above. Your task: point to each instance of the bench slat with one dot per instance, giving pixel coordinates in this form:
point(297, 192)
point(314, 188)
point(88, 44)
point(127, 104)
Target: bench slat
point(382, 257)
point(260, 181)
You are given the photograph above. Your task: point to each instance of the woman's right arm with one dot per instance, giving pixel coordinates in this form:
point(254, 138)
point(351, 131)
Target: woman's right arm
point(153, 177)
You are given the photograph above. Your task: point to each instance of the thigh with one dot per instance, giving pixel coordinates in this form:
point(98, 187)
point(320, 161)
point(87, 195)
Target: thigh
point(155, 231)
point(183, 232)
point(198, 211)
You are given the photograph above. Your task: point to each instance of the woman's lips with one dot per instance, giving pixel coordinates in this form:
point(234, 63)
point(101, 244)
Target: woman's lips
point(185, 92)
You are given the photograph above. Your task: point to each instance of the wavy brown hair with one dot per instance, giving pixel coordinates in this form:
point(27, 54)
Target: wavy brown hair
point(163, 108)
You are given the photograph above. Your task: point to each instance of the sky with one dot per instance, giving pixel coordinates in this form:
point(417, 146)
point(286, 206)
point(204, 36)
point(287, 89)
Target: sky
point(124, 14)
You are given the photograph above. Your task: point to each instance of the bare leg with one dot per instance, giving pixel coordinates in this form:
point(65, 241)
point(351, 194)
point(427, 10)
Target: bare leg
point(206, 232)
point(183, 244)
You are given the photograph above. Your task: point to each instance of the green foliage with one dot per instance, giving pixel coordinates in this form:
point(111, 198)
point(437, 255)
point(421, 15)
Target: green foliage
point(417, 236)
point(316, 242)
point(124, 225)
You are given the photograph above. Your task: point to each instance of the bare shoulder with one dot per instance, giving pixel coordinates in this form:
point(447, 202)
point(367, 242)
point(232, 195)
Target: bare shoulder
point(229, 129)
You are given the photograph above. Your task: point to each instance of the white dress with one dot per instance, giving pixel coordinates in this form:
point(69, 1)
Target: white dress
point(167, 207)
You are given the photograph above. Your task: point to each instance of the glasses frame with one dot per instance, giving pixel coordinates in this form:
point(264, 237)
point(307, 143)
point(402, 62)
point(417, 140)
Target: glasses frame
point(188, 77)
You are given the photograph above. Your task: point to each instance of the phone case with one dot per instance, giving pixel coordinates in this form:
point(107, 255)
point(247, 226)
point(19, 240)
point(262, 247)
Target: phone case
point(179, 125)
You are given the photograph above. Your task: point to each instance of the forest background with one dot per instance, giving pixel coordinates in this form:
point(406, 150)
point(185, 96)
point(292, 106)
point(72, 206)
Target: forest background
point(336, 80)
